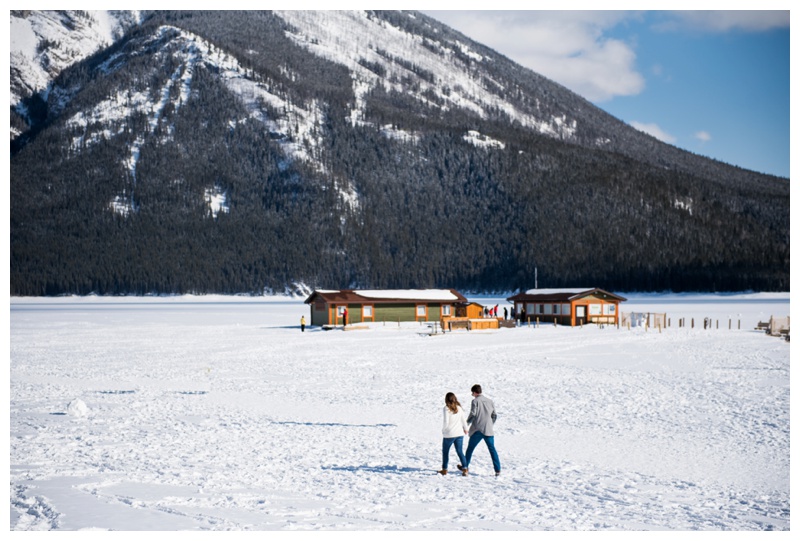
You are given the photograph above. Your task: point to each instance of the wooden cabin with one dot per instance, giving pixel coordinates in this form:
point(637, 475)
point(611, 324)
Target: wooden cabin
point(469, 316)
point(567, 306)
point(328, 306)
point(469, 310)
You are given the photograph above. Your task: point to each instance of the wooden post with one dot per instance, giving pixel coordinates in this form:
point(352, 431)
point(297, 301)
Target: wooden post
point(729, 324)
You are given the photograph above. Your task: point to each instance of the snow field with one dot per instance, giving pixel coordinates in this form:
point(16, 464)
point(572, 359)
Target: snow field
point(220, 414)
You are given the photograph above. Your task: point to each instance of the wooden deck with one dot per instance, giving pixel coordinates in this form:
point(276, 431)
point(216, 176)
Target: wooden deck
point(475, 324)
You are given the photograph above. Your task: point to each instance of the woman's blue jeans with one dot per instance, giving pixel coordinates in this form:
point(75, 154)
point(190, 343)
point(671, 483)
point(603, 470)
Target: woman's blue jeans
point(474, 440)
point(446, 443)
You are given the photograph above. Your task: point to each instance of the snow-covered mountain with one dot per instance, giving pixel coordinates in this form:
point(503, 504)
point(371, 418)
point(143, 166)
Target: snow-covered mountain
point(367, 131)
point(44, 43)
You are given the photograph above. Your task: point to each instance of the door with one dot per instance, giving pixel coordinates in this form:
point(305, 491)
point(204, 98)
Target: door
point(580, 315)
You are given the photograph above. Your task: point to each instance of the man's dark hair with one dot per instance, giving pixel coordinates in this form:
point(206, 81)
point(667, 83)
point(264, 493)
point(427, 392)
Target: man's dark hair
point(476, 389)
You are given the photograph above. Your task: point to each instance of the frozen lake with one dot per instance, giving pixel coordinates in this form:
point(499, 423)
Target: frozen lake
point(217, 413)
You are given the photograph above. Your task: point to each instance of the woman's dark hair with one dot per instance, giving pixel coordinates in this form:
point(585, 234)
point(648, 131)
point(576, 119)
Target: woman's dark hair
point(451, 402)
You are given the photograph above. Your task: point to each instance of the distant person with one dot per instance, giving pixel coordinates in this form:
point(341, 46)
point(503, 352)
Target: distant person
point(482, 417)
point(505, 313)
point(303, 324)
point(344, 316)
point(453, 430)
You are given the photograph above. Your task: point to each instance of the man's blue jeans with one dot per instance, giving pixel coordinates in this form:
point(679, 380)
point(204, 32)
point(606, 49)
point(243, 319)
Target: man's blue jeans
point(474, 440)
point(446, 443)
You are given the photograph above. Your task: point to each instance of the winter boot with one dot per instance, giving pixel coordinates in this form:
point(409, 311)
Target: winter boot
point(443, 472)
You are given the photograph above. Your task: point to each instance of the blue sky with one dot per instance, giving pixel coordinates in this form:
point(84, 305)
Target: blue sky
point(715, 83)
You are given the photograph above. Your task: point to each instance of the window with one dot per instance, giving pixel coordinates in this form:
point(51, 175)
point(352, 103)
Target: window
point(340, 310)
point(555, 308)
point(422, 310)
point(609, 309)
point(367, 311)
point(565, 309)
point(595, 309)
point(446, 310)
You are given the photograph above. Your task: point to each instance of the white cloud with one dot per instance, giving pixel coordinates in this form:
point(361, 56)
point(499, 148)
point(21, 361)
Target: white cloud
point(654, 130)
point(703, 136)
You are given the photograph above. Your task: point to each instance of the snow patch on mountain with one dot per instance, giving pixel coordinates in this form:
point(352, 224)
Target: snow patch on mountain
point(684, 204)
point(479, 140)
point(122, 204)
point(217, 200)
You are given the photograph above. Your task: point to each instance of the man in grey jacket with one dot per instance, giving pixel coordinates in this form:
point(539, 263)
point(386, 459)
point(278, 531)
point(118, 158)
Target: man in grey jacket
point(482, 417)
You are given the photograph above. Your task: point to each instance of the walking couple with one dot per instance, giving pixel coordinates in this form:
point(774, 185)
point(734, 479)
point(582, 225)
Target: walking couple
point(481, 420)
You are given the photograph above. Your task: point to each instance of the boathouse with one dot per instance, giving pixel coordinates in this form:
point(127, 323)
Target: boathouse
point(571, 306)
point(328, 307)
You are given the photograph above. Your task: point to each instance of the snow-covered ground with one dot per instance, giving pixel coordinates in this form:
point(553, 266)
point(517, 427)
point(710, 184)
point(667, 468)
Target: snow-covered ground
point(217, 413)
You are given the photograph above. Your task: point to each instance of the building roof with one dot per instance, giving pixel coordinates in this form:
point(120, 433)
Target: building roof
point(367, 296)
point(563, 295)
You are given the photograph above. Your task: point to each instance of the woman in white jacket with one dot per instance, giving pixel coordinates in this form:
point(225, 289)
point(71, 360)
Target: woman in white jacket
point(453, 430)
